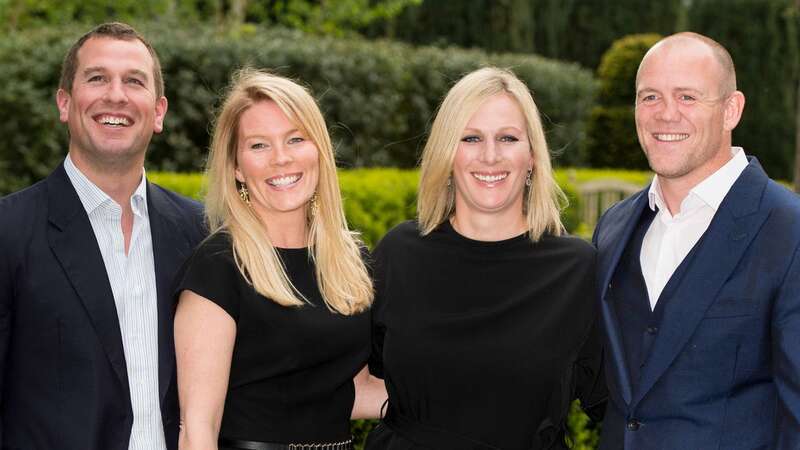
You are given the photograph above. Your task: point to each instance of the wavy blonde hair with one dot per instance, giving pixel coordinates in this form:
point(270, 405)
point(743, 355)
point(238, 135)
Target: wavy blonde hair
point(341, 274)
point(543, 200)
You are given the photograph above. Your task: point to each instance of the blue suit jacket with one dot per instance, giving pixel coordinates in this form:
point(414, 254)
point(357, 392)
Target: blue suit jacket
point(724, 369)
point(64, 382)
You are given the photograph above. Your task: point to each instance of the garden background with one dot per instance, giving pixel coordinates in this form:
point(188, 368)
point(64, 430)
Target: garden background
point(379, 68)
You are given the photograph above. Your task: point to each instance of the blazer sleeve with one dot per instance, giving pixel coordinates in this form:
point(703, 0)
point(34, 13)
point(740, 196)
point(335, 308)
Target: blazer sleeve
point(786, 357)
point(6, 305)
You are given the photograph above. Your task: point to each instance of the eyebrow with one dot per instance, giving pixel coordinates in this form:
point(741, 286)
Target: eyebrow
point(287, 133)
point(101, 69)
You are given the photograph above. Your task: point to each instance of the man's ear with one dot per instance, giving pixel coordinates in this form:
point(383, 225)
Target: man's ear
point(734, 106)
point(62, 101)
point(161, 111)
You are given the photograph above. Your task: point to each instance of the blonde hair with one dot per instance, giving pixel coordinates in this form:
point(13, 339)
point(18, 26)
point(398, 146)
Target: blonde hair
point(543, 200)
point(341, 275)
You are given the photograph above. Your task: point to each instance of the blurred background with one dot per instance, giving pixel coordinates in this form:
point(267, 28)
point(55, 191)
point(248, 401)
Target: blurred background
point(379, 69)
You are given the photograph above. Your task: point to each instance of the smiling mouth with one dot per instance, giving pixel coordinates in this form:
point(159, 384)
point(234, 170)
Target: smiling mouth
point(284, 180)
point(670, 137)
point(490, 177)
point(113, 120)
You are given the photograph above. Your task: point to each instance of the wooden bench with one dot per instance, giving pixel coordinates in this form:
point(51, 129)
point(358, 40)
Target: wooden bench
point(599, 195)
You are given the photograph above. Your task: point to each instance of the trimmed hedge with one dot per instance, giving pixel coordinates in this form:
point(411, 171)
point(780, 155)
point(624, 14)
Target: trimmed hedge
point(375, 200)
point(378, 97)
point(612, 129)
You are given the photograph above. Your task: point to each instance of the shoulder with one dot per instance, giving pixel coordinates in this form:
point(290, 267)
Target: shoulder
point(217, 244)
point(189, 214)
point(181, 203)
point(19, 209)
point(403, 233)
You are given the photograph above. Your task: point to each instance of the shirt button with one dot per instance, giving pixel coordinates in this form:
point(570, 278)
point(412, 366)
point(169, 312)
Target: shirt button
point(633, 425)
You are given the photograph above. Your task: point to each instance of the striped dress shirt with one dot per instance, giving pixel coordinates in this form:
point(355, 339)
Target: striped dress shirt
point(133, 284)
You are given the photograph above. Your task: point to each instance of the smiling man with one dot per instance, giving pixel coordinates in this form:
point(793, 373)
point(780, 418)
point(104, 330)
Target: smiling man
point(699, 274)
point(87, 260)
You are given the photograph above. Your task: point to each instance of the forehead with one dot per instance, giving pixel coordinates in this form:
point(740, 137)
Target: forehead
point(500, 109)
point(114, 54)
point(679, 65)
point(264, 117)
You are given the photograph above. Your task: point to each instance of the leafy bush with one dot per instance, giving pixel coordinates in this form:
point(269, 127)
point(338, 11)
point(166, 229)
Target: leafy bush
point(612, 138)
point(378, 97)
point(375, 200)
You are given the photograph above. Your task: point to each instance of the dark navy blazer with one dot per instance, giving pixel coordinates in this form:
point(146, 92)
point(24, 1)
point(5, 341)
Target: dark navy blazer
point(64, 383)
point(723, 372)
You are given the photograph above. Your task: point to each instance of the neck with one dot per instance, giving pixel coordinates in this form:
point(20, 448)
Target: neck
point(118, 180)
point(674, 190)
point(287, 230)
point(488, 227)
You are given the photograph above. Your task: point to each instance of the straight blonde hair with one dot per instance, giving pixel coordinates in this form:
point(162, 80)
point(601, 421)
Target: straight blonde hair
point(543, 200)
point(341, 275)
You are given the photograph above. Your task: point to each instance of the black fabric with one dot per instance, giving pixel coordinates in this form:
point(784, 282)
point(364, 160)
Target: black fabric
point(292, 367)
point(488, 341)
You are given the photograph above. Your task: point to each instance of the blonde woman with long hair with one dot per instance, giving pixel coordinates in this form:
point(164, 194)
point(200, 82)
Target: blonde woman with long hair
point(484, 312)
point(271, 329)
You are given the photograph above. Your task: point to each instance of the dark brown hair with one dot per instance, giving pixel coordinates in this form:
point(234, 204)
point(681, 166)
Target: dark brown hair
point(111, 30)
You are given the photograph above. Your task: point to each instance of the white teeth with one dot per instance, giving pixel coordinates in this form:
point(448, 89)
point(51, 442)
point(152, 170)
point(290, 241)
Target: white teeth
point(490, 178)
point(671, 137)
point(113, 120)
point(283, 181)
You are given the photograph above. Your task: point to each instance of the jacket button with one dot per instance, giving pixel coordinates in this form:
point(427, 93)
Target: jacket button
point(633, 425)
point(652, 330)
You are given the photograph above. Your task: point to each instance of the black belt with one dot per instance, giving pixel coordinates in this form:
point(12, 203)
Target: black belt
point(431, 437)
point(254, 445)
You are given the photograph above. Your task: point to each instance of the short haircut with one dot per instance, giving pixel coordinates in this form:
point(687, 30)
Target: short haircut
point(728, 83)
point(542, 201)
point(111, 30)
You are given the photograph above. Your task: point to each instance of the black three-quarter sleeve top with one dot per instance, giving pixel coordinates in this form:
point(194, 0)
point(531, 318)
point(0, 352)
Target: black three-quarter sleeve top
point(292, 367)
point(484, 342)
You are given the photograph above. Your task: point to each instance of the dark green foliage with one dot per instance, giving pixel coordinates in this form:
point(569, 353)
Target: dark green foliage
point(612, 140)
point(617, 70)
point(573, 30)
point(762, 37)
point(378, 98)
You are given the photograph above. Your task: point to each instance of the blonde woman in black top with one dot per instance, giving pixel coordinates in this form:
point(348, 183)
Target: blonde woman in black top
point(271, 326)
point(484, 317)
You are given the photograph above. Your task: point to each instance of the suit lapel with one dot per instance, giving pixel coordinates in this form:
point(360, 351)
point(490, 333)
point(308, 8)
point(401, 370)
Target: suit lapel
point(171, 248)
point(611, 243)
point(722, 246)
point(73, 242)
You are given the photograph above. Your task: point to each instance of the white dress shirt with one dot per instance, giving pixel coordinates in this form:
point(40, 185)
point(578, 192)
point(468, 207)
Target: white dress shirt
point(133, 284)
point(670, 238)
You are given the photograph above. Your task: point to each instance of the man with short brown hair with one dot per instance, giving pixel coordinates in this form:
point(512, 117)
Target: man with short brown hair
point(88, 259)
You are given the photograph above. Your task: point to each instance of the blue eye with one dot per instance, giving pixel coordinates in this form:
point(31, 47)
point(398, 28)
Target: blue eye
point(471, 139)
point(258, 146)
point(509, 138)
point(296, 140)
point(95, 78)
point(135, 81)
point(686, 98)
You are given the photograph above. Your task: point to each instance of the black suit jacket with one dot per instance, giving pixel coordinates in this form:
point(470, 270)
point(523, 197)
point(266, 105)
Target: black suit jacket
point(63, 381)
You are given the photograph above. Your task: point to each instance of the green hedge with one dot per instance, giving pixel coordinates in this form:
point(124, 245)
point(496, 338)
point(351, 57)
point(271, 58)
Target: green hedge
point(612, 129)
point(378, 97)
point(374, 199)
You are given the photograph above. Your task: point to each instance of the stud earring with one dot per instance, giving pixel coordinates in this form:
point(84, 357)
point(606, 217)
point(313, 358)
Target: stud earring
point(244, 194)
